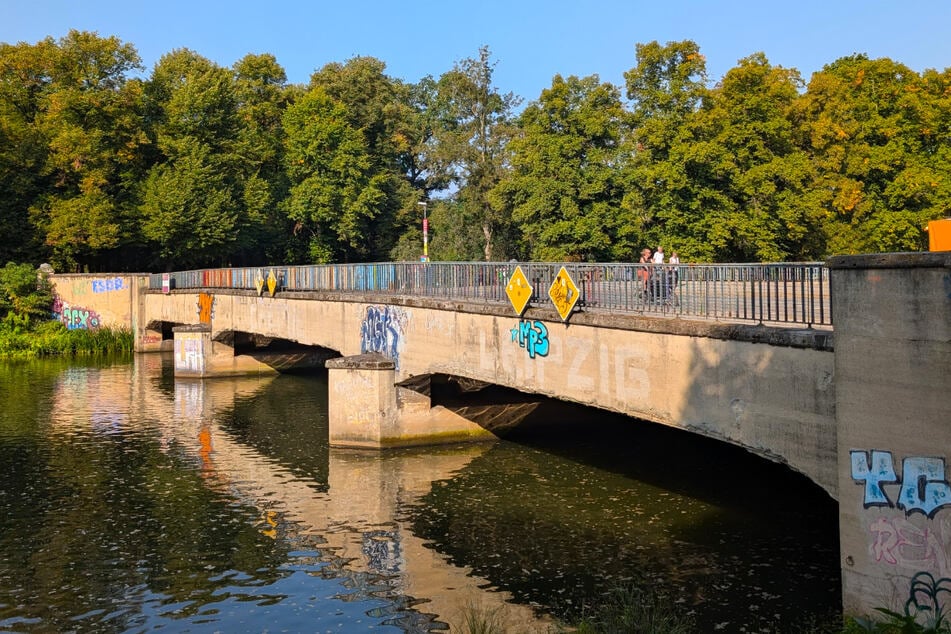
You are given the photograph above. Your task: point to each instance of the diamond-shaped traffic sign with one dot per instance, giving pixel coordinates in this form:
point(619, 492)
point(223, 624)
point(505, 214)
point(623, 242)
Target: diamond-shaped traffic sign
point(519, 290)
point(564, 294)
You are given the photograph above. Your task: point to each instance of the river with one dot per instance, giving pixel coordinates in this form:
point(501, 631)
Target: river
point(132, 502)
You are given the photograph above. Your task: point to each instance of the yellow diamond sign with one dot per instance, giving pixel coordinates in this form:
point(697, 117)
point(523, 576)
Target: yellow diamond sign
point(519, 290)
point(564, 294)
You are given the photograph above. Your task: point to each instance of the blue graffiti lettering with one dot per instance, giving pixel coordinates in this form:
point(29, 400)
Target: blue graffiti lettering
point(104, 286)
point(533, 336)
point(924, 485)
point(875, 473)
point(381, 331)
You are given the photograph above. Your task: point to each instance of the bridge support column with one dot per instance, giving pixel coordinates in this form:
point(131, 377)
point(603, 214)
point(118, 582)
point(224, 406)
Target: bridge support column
point(198, 355)
point(367, 409)
point(893, 416)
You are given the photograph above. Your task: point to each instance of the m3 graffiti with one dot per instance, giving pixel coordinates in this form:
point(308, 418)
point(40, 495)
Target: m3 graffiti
point(533, 336)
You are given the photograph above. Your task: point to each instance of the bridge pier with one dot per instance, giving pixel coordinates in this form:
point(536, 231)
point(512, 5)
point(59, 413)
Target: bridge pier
point(893, 413)
point(367, 409)
point(197, 355)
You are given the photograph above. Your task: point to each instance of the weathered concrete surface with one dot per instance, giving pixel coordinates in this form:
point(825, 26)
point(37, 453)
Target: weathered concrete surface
point(368, 410)
point(766, 389)
point(95, 300)
point(197, 355)
point(893, 404)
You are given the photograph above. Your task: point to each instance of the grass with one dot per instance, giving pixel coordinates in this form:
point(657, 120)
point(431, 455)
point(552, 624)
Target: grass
point(19, 340)
point(635, 609)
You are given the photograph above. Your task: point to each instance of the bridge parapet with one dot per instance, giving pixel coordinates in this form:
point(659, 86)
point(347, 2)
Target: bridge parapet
point(791, 293)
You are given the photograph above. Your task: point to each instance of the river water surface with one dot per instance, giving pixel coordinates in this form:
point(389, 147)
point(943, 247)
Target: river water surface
point(131, 502)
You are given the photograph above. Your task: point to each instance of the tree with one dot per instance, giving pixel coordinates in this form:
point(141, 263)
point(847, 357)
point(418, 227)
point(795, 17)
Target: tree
point(382, 110)
point(25, 75)
point(741, 164)
point(667, 89)
point(877, 133)
point(188, 209)
point(193, 202)
point(262, 96)
point(88, 117)
point(335, 194)
point(562, 188)
point(476, 129)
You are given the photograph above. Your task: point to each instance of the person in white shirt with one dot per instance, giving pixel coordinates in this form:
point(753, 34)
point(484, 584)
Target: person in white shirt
point(659, 255)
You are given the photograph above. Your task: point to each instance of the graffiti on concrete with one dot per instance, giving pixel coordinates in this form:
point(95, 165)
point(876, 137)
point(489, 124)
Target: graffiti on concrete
point(206, 308)
point(382, 331)
point(75, 317)
point(924, 604)
point(108, 285)
point(533, 336)
point(924, 484)
point(898, 542)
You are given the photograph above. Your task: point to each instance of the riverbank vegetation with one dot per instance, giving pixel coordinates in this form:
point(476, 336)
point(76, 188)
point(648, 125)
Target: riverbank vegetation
point(109, 167)
point(28, 330)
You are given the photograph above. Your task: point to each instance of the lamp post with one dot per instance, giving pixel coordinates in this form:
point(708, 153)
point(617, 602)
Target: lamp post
point(425, 233)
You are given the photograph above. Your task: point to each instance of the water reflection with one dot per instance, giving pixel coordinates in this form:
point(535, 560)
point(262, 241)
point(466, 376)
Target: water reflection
point(132, 502)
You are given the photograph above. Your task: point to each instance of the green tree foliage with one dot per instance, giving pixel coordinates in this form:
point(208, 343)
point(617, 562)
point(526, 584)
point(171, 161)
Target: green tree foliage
point(85, 112)
point(25, 75)
point(335, 193)
point(562, 189)
point(477, 125)
point(202, 202)
point(188, 208)
point(743, 180)
point(667, 88)
point(262, 96)
point(199, 165)
point(383, 111)
point(25, 295)
point(878, 136)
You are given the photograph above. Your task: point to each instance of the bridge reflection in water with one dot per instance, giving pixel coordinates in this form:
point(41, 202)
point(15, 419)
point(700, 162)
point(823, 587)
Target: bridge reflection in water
point(351, 516)
point(428, 535)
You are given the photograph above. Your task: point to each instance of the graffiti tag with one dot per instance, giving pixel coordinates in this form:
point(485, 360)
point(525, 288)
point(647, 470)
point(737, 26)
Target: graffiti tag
point(533, 336)
point(381, 331)
point(206, 308)
point(924, 486)
point(898, 542)
point(104, 286)
point(75, 317)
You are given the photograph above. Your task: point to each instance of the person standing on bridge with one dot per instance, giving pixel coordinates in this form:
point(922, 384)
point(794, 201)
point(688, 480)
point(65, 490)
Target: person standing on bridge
point(643, 272)
point(658, 276)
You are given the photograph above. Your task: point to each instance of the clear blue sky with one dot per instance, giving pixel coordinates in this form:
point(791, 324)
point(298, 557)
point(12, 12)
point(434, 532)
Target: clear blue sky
point(531, 41)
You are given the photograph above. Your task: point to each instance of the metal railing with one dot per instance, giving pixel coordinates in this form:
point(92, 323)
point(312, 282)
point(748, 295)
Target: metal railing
point(782, 293)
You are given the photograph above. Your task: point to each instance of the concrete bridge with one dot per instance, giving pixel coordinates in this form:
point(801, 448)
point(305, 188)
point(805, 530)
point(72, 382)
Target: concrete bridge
point(862, 412)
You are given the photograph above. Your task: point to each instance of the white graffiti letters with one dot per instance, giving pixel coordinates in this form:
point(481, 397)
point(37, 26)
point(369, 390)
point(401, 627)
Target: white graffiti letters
point(924, 485)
